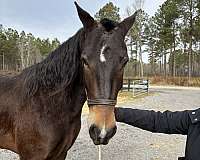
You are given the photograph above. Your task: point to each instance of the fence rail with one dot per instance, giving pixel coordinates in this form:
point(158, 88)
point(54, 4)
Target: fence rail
point(137, 86)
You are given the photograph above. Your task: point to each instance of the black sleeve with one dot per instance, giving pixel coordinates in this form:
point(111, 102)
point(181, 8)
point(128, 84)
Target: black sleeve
point(166, 122)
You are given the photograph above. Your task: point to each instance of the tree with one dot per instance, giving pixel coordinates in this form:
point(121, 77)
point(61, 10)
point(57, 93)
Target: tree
point(10, 47)
point(165, 20)
point(22, 48)
point(171, 37)
point(151, 37)
point(189, 10)
point(2, 46)
point(55, 43)
point(21, 51)
point(109, 11)
point(136, 39)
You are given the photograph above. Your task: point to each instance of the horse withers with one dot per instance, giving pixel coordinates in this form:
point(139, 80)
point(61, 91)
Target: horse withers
point(40, 109)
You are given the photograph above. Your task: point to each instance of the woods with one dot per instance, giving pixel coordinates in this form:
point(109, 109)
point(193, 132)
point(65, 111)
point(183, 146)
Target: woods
point(170, 39)
point(21, 50)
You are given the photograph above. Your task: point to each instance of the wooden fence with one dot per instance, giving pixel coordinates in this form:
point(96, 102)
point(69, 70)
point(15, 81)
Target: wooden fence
point(137, 86)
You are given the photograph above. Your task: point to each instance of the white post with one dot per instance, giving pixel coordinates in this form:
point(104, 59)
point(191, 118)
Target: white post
point(100, 152)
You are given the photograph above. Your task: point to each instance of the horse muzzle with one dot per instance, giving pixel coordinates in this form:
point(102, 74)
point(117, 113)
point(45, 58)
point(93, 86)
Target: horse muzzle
point(102, 120)
point(101, 136)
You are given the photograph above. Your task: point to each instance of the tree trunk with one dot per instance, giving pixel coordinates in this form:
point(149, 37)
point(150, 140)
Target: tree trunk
point(171, 61)
point(28, 54)
point(174, 52)
point(3, 59)
point(160, 66)
point(190, 45)
point(21, 51)
point(165, 65)
point(136, 60)
point(141, 62)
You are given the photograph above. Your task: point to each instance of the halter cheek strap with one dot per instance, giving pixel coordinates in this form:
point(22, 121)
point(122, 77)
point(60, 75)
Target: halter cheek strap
point(108, 102)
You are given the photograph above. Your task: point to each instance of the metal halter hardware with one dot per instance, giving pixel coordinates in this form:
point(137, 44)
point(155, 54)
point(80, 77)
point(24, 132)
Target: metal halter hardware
point(108, 102)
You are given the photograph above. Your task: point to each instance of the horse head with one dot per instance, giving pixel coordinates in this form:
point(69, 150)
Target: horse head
point(103, 55)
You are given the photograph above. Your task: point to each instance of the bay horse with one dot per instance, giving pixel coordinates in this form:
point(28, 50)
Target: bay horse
point(40, 109)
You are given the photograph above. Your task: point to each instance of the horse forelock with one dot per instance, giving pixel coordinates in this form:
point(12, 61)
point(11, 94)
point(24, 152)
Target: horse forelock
point(108, 24)
point(57, 72)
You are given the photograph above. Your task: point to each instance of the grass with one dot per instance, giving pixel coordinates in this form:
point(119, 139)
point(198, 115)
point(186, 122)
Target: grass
point(9, 73)
point(177, 81)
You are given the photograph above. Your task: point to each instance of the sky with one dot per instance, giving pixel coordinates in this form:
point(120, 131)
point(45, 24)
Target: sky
point(57, 18)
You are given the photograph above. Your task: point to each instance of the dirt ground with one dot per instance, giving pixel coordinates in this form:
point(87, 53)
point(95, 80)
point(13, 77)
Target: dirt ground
point(131, 143)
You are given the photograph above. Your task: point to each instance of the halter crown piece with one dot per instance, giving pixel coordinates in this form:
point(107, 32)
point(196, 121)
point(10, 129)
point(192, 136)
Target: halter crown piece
point(108, 102)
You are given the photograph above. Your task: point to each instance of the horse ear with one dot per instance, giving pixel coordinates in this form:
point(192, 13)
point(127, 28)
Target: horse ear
point(127, 23)
point(85, 17)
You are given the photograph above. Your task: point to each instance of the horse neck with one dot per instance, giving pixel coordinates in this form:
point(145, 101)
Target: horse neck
point(59, 72)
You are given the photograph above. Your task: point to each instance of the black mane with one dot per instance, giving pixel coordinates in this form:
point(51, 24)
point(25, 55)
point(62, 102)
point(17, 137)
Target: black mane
point(57, 71)
point(108, 24)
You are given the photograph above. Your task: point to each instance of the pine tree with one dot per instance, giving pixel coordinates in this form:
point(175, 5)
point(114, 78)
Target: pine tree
point(109, 11)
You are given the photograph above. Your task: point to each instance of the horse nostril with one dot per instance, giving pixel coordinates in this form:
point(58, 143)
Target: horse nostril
point(94, 131)
point(101, 136)
point(111, 132)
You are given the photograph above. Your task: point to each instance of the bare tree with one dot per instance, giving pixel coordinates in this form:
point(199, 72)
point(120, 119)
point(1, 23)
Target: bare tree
point(136, 32)
point(21, 48)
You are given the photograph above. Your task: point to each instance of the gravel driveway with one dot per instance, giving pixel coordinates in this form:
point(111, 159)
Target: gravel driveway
point(131, 143)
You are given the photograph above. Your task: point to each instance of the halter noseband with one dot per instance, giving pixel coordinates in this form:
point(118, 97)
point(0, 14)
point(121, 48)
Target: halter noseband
point(108, 102)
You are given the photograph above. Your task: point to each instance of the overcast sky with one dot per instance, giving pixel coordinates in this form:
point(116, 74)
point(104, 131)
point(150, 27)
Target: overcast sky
point(56, 18)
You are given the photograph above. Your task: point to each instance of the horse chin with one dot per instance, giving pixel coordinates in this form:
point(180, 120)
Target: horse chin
point(100, 142)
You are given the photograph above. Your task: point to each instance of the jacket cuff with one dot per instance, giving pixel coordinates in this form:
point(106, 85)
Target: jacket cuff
point(119, 114)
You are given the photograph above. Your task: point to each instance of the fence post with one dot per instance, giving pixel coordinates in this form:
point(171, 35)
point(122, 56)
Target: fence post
point(129, 84)
point(133, 88)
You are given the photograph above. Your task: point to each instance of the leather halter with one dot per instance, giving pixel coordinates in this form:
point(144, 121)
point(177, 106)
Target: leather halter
point(107, 102)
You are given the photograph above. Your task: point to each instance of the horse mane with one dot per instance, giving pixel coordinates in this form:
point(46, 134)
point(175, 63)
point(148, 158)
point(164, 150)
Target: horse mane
point(57, 72)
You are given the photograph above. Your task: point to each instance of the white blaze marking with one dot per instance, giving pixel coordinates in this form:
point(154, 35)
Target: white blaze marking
point(103, 131)
point(102, 56)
